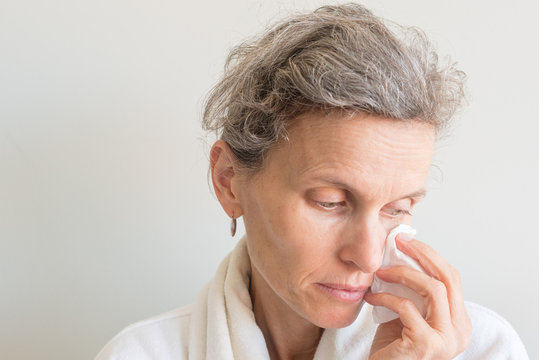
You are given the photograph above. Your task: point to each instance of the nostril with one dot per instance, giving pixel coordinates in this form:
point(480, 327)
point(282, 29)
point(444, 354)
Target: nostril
point(362, 244)
point(365, 261)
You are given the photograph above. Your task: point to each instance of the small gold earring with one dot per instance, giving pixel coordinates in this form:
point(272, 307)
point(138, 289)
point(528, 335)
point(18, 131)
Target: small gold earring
point(233, 226)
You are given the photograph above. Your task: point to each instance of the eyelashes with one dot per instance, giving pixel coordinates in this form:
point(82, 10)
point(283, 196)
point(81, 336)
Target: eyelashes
point(332, 205)
point(398, 212)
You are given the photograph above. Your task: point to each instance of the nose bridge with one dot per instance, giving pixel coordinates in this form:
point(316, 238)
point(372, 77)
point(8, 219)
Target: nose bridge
point(364, 243)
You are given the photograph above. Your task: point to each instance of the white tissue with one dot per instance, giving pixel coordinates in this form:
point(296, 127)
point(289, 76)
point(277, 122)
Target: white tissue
point(395, 257)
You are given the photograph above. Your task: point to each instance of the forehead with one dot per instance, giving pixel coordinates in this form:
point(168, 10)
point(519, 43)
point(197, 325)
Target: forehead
point(346, 134)
point(356, 150)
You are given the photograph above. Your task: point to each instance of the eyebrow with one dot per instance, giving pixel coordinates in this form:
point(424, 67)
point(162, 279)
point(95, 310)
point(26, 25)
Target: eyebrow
point(419, 194)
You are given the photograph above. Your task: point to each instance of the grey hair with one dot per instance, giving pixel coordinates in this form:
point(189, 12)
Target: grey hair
point(337, 58)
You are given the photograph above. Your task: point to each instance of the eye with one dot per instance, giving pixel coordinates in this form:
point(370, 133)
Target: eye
point(330, 205)
point(398, 212)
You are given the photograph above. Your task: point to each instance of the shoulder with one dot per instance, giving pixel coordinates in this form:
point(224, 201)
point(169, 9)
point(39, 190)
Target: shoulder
point(161, 337)
point(492, 337)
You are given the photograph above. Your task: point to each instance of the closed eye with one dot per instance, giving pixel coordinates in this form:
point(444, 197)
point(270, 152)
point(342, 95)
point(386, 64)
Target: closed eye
point(330, 205)
point(398, 212)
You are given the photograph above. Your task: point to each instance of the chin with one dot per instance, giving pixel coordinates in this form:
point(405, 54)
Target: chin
point(337, 317)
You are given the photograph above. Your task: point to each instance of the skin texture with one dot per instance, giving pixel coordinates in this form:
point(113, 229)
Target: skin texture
point(317, 216)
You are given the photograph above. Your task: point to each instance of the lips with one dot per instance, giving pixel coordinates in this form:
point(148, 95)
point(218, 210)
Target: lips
point(344, 293)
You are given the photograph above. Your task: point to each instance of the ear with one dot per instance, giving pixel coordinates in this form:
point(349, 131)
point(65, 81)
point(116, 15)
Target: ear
point(224, 175)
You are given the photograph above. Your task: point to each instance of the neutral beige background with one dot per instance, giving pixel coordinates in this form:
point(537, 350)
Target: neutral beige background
point(105, 213)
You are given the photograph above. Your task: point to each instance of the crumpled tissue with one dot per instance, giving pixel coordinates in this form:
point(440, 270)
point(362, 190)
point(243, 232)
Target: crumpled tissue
point(395, 257)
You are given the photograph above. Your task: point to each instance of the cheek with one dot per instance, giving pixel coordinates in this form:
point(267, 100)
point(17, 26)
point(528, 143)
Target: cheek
point(290, 229)
point(289, 239)
point(270, 226)
point(306, 238)
point(292, 235)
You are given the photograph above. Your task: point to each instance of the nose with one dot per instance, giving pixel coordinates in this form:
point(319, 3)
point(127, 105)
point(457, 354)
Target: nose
point(362, 245)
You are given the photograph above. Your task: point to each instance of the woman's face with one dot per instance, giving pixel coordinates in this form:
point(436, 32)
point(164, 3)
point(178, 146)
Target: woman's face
point(318, 213)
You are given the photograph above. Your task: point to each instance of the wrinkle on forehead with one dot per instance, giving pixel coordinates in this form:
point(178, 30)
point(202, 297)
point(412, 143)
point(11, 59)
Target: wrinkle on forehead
point(363, 151)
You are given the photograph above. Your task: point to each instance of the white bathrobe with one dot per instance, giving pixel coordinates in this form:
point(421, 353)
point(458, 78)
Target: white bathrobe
point(221, 325)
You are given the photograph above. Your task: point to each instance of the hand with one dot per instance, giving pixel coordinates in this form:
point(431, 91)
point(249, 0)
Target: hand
point(446, 329)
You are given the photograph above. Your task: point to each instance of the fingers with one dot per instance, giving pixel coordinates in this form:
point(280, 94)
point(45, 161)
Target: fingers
point(432, 262)
point(432, 291)
point(437, 267)
point(409, 314)
point(446, 329)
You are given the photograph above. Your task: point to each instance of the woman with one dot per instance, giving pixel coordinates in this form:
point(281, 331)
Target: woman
point(327, 125)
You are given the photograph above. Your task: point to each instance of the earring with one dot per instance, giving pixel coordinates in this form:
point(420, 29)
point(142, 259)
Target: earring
point(233, 226)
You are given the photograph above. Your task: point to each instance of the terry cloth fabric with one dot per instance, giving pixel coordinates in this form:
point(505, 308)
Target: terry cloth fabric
point(395, 257)
point(221, 325)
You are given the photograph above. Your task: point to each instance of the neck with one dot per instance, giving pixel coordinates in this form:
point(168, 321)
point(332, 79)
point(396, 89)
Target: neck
point(287, 334)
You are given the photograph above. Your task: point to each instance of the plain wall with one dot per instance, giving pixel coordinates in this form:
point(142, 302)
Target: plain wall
point(106, 216)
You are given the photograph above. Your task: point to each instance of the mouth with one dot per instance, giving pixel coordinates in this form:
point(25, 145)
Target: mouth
point(344, 293)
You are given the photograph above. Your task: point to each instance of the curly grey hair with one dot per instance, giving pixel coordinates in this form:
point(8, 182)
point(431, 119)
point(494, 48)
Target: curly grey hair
point(337, 58)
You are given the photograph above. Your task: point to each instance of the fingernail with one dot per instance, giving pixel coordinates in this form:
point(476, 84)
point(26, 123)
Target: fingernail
point(405, 236)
